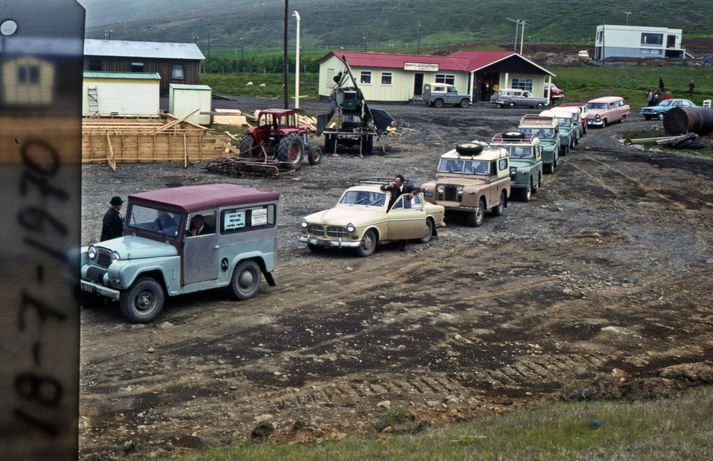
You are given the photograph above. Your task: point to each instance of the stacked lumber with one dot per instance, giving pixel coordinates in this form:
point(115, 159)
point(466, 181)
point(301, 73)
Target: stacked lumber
point(169, 139)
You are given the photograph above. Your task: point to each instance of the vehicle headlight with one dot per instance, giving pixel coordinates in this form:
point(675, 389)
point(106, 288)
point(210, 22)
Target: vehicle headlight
point(304, 224)
point(351, 227)
point(92, 252)
point(115, 256)
point(460, 191)
point(441, 189)
point(513, 170)
point(597, 117)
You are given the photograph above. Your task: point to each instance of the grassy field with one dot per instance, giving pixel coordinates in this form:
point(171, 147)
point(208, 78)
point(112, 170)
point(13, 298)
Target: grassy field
point(677, 429)
point(579, 83)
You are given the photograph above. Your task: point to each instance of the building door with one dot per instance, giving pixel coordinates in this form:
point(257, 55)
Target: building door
point(417, 84)
point(671, 41)
point(487, 85)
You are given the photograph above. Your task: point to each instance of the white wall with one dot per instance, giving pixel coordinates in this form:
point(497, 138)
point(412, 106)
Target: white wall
point(122, 96)
point(183, 101)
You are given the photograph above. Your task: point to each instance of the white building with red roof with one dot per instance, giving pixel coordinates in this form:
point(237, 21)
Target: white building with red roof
point(400, 77)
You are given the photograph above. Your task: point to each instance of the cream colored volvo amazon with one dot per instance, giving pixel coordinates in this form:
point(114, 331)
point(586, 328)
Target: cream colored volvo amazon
point(363, 218)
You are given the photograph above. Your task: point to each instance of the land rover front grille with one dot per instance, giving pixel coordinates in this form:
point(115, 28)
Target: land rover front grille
point(337, 232)
point(103, 257)
point(315, 229)
point(451, 193)
point(95, 274)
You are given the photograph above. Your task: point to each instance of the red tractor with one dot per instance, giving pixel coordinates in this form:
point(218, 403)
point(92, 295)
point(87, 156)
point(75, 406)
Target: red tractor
point(278, 136)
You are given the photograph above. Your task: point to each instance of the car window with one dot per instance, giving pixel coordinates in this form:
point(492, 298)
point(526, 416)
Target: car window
point(502, 164)
point(247, 219)
point(202, 223)
point(363, 198)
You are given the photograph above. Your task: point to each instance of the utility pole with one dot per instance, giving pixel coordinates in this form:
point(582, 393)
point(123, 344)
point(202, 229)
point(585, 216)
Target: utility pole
point(366, 44)
point(627, 13)
point(517, 26)
point(418, 38)
point(522, 36)
point(285, 57)
point(297, 60)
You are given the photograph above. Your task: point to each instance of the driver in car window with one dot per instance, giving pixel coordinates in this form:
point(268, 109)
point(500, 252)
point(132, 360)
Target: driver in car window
point(165, 223)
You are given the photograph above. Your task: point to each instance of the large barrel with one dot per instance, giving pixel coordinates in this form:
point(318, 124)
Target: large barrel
point(682, 120)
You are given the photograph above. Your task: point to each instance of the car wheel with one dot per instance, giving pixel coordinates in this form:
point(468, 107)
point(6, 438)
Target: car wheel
point(143, 301)
point(368, 244)
point(477, 217)
point(291, 150)
point(548, 168)
point(536, 187)
point(314, 155)
point(438, 103)
point(540, 105)
point(498, 210)
point(511, 105)
point(604, 123)
point(660, 117)
point(246, 280)
point(429, 231)
point(527, 193)
point(564, 151)
point(464, 103)
point(647, 117)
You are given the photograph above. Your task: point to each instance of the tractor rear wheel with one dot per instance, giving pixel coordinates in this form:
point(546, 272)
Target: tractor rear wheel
point(291, 150)
point(246, 145)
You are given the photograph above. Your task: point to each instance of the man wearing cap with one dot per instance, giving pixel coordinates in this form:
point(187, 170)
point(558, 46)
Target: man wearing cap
point(113, 224)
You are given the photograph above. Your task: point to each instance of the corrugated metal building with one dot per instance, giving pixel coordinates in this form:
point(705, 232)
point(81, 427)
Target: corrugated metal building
point(174, 62)
point(400, 77)
point(116, 93)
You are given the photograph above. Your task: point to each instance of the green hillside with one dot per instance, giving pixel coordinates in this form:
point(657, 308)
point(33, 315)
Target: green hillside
point(382, 25)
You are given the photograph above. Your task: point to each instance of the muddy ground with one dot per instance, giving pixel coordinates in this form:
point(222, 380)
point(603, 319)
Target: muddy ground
point(603, 277)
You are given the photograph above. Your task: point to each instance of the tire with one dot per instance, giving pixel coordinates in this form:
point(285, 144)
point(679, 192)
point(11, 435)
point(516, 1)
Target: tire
point(548, 169)
point(469, 148)
point(540, 105)
point(565, 151)
point(438, 103)
point(429, 231)
point(500, 207)
point(536, 188)
point(246, 145)
point(246, 280)
point(291, 150)
point(330, 143)
point(143, 301)
point(647, 117)
point(527, 193)
point(368, 244)
point(314, 155)
point(511, 105)
point(604, 123)
point(464, 103)
point(476, 218)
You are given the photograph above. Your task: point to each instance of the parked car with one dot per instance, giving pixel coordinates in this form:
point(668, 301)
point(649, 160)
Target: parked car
point(583, 112)
point(583, 54)
point(555, 93)
point(547, 130)
point(440, 94)
point(609, 109)
point(567, 130)
point(661, 108)
point(159, 254)
point(472, 178)
point(509, 97)
point(363, 218)
point(525, 161)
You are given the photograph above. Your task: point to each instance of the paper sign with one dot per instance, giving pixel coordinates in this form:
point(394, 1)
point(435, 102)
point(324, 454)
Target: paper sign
point(234, 220)
point(259, 216)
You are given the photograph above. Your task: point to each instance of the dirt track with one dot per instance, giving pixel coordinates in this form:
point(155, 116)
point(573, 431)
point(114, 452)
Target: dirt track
point(606, 272)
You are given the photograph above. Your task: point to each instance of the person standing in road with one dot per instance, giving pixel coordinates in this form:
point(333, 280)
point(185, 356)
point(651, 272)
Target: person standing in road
point(113, 223)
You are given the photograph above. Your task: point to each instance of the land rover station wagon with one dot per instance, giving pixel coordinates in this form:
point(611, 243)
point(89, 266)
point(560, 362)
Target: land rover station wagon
point(182, 240)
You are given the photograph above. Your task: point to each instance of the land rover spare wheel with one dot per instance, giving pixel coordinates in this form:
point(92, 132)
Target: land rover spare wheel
point(469, 148)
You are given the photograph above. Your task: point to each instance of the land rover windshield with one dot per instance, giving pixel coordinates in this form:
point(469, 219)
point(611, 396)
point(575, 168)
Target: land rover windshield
point(520, 151)
point(463, 166)
point(156, 220)
point(542, 133)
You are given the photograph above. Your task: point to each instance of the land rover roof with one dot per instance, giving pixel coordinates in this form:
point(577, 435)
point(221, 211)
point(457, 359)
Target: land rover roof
point(488, 153)
point(203, 197)
point(538, 121)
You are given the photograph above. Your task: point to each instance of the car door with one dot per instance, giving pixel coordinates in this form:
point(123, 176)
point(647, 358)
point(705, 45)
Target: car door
point(406, 219)
point(200, 252)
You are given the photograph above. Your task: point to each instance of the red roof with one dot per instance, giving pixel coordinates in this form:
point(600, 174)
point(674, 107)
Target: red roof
point(465, 61)
point(204, 197)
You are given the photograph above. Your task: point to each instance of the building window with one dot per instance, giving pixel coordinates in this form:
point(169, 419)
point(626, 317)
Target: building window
point(28, 74)
point(651, 39)
point(386, 78)
point(137, 67)
point(365, 77)
point(651, 51)
point(600, 36)
point(177, 72)
point(95, 64)
point(522, 83)
point(446, 78)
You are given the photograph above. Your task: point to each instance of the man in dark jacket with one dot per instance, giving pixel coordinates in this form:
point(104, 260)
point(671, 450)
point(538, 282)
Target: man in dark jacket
point(398, 187)
point(113, 224)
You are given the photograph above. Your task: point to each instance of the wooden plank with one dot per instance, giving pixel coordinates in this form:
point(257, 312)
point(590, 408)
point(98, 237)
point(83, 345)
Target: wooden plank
point(176, 122)
point(110, 160)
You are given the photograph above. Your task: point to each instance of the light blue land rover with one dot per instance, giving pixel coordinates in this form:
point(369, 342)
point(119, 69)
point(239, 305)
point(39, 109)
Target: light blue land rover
point(182, 240)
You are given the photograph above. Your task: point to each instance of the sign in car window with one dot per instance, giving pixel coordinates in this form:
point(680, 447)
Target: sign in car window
point(233, 220)
point(259, 216)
